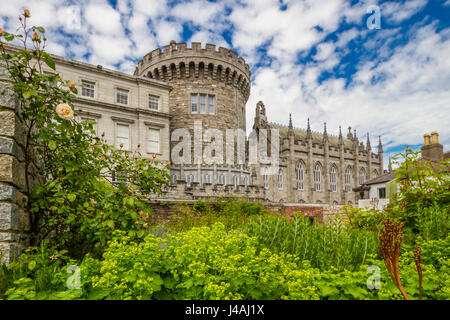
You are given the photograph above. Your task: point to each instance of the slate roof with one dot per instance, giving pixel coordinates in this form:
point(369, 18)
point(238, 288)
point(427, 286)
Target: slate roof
point(300, 134)
point(386, 177)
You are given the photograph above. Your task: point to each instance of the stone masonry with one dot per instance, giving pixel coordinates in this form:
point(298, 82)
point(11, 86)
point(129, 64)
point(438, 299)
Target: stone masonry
point(14, 219)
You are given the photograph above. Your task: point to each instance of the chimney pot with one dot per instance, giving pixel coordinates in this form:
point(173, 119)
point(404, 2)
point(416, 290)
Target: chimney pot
point(434, 138)
point(426, 139)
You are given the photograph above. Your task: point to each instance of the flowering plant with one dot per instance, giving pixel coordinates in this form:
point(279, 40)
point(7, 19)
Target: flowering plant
point(75, 203)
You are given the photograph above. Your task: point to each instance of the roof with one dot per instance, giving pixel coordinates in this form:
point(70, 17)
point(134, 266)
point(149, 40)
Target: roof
point(383, 178)
point(300, 134)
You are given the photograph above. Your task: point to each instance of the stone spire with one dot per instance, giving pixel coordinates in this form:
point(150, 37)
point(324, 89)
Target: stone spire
point(325, 134)
point(380, 146)
point(341, 140)
point(291, 127)
point(308, 132)
point(368, 147)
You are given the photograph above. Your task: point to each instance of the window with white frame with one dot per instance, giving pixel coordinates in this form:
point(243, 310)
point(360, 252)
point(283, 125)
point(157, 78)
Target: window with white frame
point(222, 179)
point(174, 178)
point(202, 103)
point(245, 181)
point(122, 96)
point(280, 179)
point(88, 88)
point(300, 175)
point(122, 136)
point(333, 178)
point(348, 179)
point(317, 177)
point(153, 102)
point(266, 178)
point(153, 140)
point(211, 105)
point(206, 178)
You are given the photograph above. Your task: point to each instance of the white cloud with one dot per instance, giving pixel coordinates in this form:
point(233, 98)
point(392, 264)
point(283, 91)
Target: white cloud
point(398, 11)
point(399, 92)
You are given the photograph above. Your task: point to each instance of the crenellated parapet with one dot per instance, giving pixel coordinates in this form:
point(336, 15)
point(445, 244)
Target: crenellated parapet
point(178, 61)
point(180, 190)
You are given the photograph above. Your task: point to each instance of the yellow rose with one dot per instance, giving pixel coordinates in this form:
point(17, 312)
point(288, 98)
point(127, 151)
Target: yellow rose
point(64, 111)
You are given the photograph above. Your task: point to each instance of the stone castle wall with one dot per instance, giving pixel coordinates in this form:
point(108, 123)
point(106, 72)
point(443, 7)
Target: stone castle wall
point(14, 219)
point(181, 190)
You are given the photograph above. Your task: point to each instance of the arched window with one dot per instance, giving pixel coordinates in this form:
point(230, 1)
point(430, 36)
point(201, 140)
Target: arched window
point(206, 178)
point(374, 174)
point(348, 179)
point(235, 181)
point(222, 179)
point(280, 179)
point(174, 179)
point(362, 176)
point(317, 177)
point(266, 178)
point(299, 175)
point(246, 181)
point(333, 178)
point(189, 178)
point(335, 203)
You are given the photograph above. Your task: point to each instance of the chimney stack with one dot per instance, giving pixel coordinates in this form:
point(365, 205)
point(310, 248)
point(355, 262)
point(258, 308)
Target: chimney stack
point(432, 150)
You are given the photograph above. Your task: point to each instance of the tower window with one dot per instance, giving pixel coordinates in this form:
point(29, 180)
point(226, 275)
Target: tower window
point(211, 104)
point(194, 103)
point(202, 103)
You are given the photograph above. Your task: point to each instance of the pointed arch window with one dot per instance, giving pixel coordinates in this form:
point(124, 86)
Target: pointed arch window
point(235, 181)
point(299, 175)
point(280, 179)
point(348, 179)
point(362, 176)
point(317, 177)
point(333, 178)
point(266, 178)
point(374, 174)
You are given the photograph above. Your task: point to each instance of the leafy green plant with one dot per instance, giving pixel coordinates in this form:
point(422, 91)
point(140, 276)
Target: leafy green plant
point(323, 245)
point(73, 201)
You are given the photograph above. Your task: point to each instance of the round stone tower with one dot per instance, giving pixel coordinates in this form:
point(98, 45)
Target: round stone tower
point(209, 85)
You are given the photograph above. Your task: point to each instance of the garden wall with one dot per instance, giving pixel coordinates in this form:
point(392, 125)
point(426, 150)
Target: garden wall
point(323, 213)
point(14, 219)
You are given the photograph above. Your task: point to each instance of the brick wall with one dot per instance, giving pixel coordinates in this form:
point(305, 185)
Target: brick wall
point(14, 219)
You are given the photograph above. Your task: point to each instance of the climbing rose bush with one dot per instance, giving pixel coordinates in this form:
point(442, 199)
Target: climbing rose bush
point(75, 205)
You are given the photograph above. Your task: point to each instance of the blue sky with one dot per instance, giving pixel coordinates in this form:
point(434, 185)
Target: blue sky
point(315, 59)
